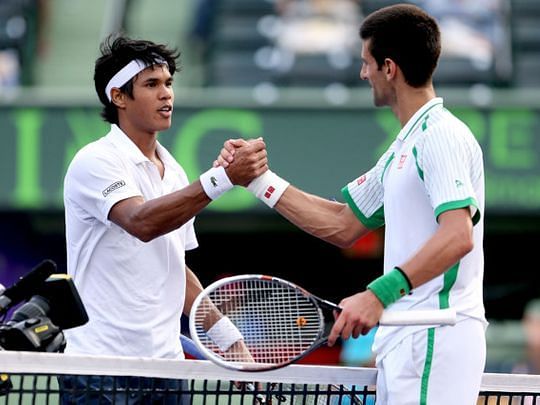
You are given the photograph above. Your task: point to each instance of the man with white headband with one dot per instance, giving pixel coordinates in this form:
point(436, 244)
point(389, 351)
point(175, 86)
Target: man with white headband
point(129, 211)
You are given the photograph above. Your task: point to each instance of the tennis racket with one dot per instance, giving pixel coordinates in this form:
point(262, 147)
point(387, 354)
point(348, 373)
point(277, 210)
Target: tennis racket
point(279, 322)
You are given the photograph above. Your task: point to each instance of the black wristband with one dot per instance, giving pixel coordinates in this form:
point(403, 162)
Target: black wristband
point(405, 276)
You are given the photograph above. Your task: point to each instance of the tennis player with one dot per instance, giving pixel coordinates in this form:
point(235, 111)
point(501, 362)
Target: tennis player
point(129, 212)
point(427, 190)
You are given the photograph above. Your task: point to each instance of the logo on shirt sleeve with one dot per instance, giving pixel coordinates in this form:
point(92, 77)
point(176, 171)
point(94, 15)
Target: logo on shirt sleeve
point(115, 186)
point(361, 179)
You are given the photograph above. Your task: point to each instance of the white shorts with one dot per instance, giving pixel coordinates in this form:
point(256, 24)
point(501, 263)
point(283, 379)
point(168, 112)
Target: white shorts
point(436, 366)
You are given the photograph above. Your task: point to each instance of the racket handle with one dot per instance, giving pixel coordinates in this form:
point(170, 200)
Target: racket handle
point(419, 317)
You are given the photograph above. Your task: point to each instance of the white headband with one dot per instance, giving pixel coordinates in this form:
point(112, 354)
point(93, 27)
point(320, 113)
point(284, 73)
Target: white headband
point(126, 73)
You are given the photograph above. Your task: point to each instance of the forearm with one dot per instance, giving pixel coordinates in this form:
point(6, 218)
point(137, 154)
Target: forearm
point(328, 220)
point(149, 219)
point(217, 326)
point(193, 289)
point(435, 258)
point(450, 243)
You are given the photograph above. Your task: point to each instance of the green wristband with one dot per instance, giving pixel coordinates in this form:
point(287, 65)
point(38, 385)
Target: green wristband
point(390, 287)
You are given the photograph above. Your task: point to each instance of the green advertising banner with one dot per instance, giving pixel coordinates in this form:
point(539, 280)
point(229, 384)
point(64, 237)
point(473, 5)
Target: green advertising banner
point(316, 149)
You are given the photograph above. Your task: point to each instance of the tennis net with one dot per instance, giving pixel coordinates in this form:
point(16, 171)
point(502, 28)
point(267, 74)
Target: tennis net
point(40, 378)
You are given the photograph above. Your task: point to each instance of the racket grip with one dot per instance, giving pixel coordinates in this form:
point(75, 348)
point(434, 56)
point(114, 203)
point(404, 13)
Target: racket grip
point(419, 317)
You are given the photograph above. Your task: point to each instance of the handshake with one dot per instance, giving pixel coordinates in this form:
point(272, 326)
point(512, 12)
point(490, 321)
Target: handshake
point(244, 162)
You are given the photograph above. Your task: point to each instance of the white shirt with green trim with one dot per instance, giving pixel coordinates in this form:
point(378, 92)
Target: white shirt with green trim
point(133, 291)
point(434, 165)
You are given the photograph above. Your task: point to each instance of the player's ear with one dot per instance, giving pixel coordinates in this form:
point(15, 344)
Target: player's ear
point(118, 97)
point(389, 68)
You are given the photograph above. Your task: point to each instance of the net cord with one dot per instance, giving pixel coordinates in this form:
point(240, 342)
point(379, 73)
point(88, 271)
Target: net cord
point(517, 383)
point(57, 363)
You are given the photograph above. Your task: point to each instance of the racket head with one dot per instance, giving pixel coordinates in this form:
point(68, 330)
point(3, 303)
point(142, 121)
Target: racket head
point(280, 322)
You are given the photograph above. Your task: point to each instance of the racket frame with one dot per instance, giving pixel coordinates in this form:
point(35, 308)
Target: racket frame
point(389, 318)
point(249, 366)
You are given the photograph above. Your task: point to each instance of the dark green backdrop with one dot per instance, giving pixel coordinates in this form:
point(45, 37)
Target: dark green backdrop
point(317, 149)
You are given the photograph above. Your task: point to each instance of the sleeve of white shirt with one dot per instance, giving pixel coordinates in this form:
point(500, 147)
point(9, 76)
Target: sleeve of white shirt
point(191, 241)
point(447, 160)
point(365, 194)
point(191, 238)
point(95, 183)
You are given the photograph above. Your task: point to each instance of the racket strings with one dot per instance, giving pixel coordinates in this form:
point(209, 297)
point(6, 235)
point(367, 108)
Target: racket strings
point(276, 321)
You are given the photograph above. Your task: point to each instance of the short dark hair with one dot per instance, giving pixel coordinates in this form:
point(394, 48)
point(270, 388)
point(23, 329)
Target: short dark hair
point(409, 36)
point(117, 52)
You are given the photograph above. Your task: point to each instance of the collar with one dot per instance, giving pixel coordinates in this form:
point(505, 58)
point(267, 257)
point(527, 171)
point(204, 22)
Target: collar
point(132, 151)
point(126, 145)
point(419, 117)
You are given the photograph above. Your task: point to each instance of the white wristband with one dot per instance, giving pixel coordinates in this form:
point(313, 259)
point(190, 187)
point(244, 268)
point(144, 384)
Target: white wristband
point(268, 188)
point(224, 334)
point(215, 182)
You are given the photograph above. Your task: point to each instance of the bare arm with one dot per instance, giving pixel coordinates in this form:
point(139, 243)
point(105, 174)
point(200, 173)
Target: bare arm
point(452, 240)
point(193, 289)
point(149, 219)
point(330, 221)
point(237, 350)
point(450, 243)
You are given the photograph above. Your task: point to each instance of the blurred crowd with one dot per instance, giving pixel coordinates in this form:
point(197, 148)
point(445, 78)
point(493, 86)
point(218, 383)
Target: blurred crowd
point(22, 39)
point(293, 34)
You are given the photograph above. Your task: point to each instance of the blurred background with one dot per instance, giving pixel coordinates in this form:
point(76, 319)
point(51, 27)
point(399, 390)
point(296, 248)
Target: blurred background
point(287, 70)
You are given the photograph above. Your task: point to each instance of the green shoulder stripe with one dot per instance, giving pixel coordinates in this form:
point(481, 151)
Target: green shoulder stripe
point(386, 165)
point(454, 205)
point(373, 222)
point(422, 117)
point(420, 171)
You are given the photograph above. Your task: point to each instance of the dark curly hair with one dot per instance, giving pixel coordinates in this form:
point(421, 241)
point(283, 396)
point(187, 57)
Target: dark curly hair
point(409, 36)
point(117, 52)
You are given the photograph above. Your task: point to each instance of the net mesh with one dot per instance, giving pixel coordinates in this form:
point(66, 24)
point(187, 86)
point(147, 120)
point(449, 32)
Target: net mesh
point(49, 378)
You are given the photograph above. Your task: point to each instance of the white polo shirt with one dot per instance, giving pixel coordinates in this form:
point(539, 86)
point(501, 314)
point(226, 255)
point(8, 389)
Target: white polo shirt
point(133, 291)
point(434, 165)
